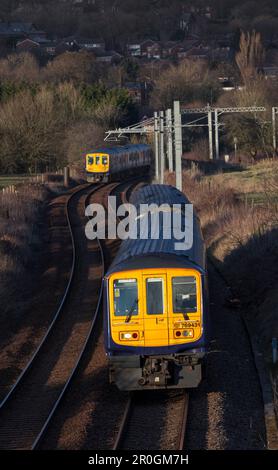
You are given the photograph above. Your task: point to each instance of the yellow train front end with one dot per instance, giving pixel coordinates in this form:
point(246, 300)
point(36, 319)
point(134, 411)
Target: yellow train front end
point(155, 327)
point(155, 308)
point(97, 167)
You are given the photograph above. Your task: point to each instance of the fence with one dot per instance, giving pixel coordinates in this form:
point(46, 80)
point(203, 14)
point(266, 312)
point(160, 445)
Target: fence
point(60, 177)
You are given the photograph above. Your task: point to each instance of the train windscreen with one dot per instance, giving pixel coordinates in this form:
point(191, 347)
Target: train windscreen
point(184, 294)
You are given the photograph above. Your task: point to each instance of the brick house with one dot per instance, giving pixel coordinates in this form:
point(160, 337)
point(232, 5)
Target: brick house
point(12, 33)
point(147, 49)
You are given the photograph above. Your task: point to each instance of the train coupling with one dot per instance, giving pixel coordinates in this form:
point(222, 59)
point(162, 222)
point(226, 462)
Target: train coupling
point(156, 372)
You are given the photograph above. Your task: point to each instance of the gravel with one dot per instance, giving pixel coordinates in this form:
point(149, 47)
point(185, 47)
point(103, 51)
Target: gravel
point(226, 411)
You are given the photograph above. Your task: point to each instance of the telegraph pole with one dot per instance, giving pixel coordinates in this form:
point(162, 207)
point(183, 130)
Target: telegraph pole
point(156, 145)
point(162, 154)
point(210, 134)
point(169, 123)
point(178, 144)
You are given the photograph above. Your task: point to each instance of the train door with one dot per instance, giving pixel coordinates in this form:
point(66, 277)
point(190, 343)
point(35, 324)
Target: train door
point(155, 310)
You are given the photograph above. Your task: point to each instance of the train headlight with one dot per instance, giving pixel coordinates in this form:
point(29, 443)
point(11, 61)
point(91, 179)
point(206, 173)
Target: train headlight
point(184, 333)
point(129, 336)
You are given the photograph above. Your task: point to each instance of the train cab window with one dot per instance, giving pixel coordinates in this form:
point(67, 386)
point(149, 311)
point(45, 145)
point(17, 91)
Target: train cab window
point(125, 297)
point(184, 294)
point(104, 160)
point(97, 160)
point(155, 304)
point(90, 160)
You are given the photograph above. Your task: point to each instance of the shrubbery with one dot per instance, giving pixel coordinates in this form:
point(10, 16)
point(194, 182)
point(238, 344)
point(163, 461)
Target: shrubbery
point(39, 107)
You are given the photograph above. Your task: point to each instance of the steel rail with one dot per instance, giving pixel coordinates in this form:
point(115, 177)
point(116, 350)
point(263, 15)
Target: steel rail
point(43, 431)
point(41, 435)
point(58, 312)
point(126, 416)
point(51, 327)
point(124, 421)
point(184, 422)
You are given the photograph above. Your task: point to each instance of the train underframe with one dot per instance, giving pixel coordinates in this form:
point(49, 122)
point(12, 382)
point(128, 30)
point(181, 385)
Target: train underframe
point(156, 372)
point(107, 177)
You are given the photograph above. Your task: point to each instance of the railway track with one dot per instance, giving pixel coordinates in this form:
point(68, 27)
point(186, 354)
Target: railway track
point(28, 408)
point(139, 420)
point(81, 420)
point(126, 426)
point(92, 356)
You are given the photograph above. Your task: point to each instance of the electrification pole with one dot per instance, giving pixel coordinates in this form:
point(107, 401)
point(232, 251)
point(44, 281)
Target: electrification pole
point(217, 154)
point(156, 145)
point(169, 123)
point(210, 135)
point(178, 144)
point(274, 138)
point(162, 154)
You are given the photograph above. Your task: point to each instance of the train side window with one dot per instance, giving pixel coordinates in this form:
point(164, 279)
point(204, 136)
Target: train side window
point(155, 304)
point(125, 297)
point(90, 160)
point(184, 294)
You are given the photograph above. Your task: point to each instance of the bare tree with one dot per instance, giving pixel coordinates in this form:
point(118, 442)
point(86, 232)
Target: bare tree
point(188, 82)
point(251, 55)
point(82, 138)
point(75, 66)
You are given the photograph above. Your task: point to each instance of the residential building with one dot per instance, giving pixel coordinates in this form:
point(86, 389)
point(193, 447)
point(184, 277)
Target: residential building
point(108, 57)
point(85, 43)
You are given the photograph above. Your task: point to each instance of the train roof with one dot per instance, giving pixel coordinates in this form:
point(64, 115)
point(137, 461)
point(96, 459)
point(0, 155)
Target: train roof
point(118, 150)
point(143, 253)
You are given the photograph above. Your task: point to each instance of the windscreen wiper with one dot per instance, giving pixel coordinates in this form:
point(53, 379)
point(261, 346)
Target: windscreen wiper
point(131, 311)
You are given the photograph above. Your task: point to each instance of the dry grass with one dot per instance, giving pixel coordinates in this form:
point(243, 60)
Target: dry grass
point(256, 178)
point(18, 231)
point(241, 234)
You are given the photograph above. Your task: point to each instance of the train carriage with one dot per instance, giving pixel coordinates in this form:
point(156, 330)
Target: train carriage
point(107, 164)
point(156, 306)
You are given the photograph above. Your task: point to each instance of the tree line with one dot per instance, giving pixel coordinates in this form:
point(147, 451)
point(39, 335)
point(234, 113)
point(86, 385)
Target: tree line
point(51, 115)
point(126, 20)
point(42, 110)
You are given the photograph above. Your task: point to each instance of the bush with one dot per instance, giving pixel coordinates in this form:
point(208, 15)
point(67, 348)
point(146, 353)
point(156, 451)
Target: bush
point(32, 128)
point(71, 66)
point(188, 82)
point(19, 68)
point(82, 138)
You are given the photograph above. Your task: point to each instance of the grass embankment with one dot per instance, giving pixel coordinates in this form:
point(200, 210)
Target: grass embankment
point(19, 235)
point(239, 216)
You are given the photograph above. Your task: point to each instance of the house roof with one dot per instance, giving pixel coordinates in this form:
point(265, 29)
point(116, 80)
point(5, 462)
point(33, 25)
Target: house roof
point(27, 40)
point(170, 44)
point(17, 27)
point(107, 54)
point(39, 39)
point(198, 52)
point(82, 40)
point(50, 44)
point(90, 41)
point(148, 42)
